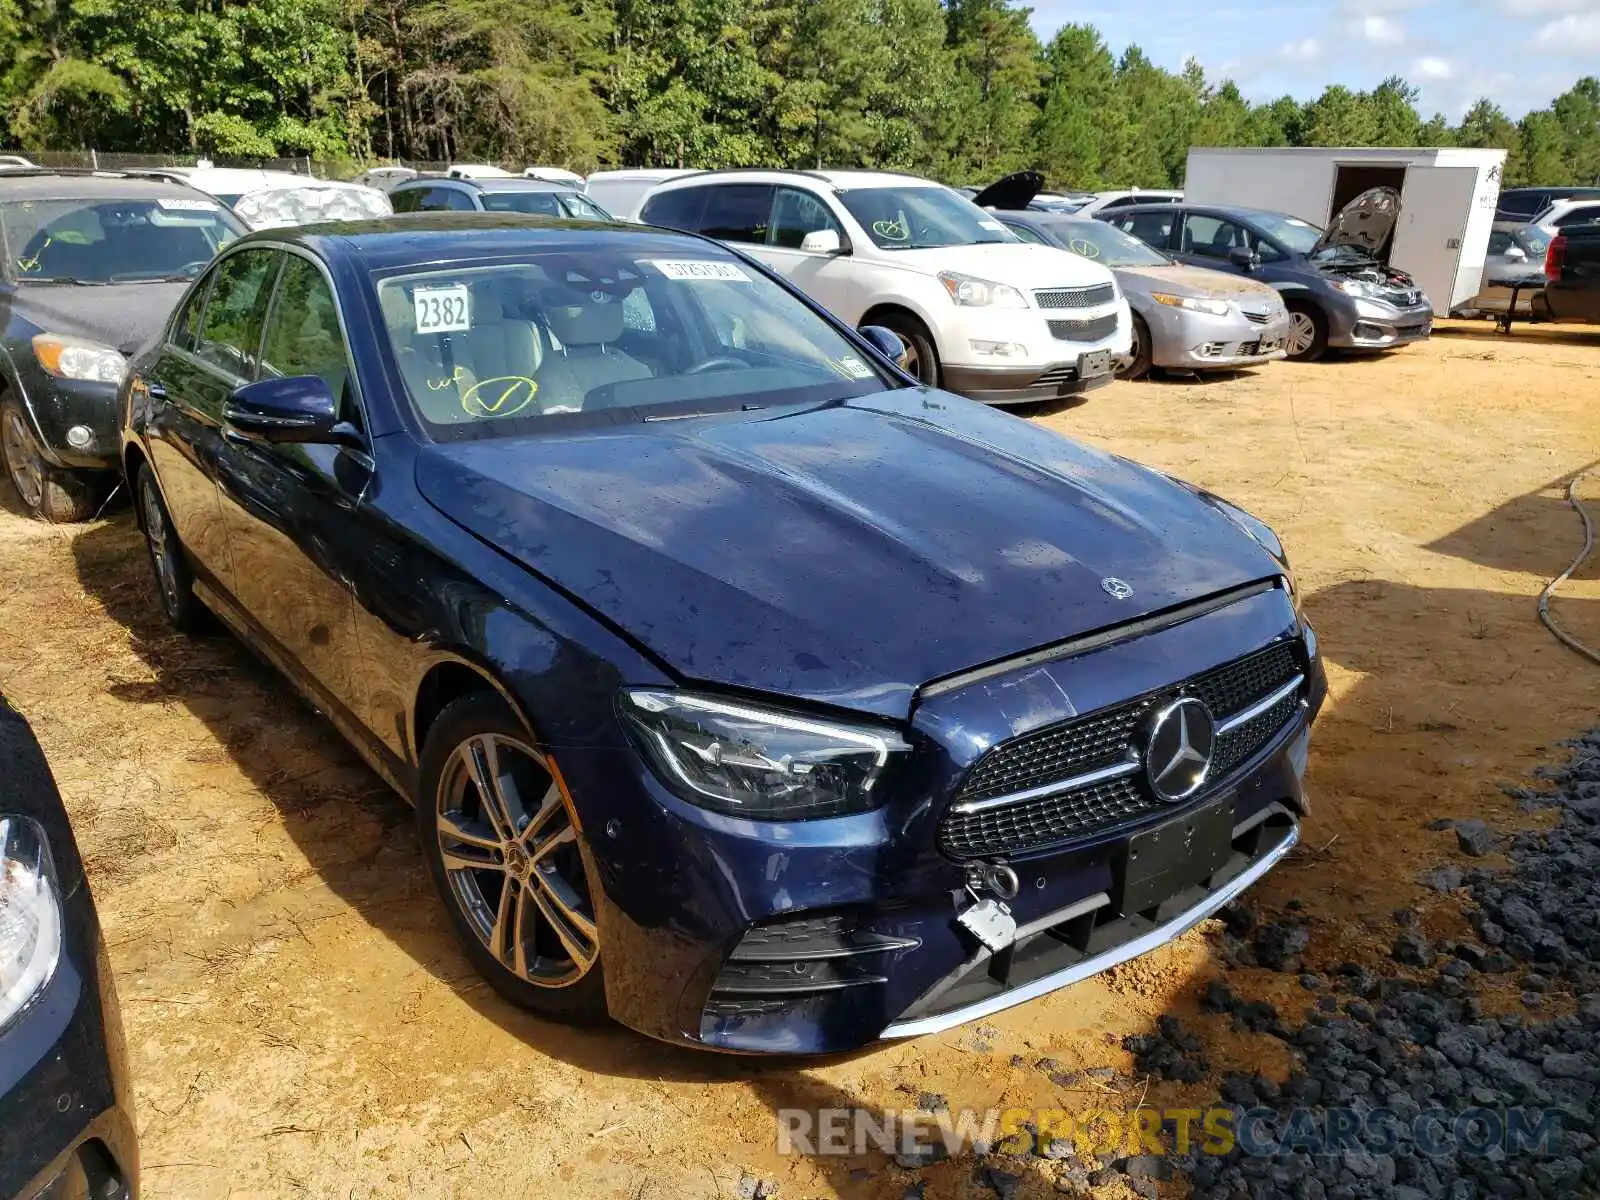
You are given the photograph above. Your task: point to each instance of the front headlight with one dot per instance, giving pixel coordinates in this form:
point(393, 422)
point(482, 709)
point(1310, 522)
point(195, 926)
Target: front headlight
point(30, 915)
point(1215, 308)
point(78, 358)
point(1361, 288)
point(972, 292)
point(756, 762)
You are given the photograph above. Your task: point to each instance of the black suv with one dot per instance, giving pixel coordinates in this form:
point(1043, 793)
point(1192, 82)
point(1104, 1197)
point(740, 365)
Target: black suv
point(91, 264)
point(66, 1113)
point(536, 197)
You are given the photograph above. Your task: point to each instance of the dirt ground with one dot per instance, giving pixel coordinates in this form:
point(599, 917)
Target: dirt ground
point(302, 1024)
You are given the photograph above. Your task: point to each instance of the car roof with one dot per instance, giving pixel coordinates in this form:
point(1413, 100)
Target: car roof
point(414, 239)
point(1232, 211)
point(513, 183)
point(839, 180)
point(30, 184)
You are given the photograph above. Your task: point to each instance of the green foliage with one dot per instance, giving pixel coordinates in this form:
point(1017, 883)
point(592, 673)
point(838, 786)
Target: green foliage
point(959, 89)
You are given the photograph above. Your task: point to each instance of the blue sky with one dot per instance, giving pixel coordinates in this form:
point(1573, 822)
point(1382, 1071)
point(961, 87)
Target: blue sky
point(1520, 53)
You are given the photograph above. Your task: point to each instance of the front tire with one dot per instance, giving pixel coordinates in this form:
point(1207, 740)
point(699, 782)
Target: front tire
point(1308, 333)
point(174, 580)
point(59, 496)
point(1139, 361)
point(920, 348)
point(504, 851)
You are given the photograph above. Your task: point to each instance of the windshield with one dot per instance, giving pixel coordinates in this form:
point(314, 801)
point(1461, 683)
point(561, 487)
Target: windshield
point(921, 218)
point(494, 350)
point(113, 241)
point(1534, 241)
point(1106, 244)
point(1290, 232)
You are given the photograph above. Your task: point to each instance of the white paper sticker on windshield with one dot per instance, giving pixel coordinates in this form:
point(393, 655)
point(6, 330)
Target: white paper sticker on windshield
point(442, 309)
point(853, 368)
point(174, 205)
point(699, 268)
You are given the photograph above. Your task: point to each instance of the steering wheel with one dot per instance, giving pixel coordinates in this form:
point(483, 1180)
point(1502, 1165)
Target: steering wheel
point(721, 362)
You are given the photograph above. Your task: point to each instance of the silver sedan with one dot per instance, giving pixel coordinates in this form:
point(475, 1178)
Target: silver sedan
point(1185, 318)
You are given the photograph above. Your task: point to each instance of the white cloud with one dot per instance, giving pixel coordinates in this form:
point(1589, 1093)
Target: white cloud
point(1432, 67)
point(1578, 33)
point(1306, 51)
point(1379, 30)
point(1539, 8)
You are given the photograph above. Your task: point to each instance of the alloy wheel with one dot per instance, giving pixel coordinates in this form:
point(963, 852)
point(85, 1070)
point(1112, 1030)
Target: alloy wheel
point(511, 858)
point(23, 462)
point(1302, 333)
point(157, 538)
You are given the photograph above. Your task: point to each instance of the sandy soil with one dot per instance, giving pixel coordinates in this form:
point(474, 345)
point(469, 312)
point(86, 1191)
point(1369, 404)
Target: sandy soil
point(301, 1022)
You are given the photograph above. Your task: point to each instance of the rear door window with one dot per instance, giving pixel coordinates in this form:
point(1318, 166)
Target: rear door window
point(230, 331)
point(738, 212)
point(1151, 228)
point(795, 214)
point(680, 208)
point(1212, 236)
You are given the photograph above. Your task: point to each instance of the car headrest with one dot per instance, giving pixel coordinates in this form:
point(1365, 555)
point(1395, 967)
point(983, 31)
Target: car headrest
point(577, 319)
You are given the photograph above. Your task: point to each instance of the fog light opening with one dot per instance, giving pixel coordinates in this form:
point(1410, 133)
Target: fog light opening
point(80, 437)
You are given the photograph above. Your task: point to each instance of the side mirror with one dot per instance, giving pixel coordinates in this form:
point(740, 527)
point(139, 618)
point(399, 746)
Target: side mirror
point(887, 343)
point(822, 241)
point(295, 408)
point(1516, 254)
point(1244, 257)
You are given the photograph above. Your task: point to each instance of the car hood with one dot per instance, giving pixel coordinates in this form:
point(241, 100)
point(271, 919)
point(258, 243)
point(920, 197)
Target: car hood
point(123, 315)
point(1021, 264)
point(844, 554)
point(1365, 223)
point(1013, 192)
point(1180, 280)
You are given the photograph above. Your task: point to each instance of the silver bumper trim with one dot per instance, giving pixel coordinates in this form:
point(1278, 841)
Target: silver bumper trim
point(1142, 944)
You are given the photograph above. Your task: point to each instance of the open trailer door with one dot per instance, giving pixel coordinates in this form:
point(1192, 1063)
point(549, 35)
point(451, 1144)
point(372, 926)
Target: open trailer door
point(1443, 231)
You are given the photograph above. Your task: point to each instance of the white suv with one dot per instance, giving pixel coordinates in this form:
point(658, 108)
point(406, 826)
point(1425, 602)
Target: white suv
point(981, 313)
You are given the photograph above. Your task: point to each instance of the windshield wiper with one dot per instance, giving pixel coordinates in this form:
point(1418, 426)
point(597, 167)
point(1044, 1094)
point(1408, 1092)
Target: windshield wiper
point(70, 280)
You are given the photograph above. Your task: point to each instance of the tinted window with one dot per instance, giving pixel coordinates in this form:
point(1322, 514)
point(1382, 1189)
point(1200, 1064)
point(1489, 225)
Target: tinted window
point(1584, 214)
point(443, 199)
point(738, 212)
point(187, 327)
point(406, 200)
point(539, 204)
point(303, 335)
point(797, 213)
point(231, 328)
point(680, 209)
point(1522, 203)
point(1154, 228)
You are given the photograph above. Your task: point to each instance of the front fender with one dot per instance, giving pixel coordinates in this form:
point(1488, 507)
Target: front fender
point(11, 381)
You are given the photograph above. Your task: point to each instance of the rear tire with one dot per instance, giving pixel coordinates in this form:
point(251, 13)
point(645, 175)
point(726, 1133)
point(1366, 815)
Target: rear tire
point(507, 858)
point(1308, 332)
point(920, 347)
point(1139, 364)
point(52, 493)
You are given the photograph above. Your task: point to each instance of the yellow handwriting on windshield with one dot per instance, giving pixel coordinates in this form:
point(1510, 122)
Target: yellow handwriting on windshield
point(502, 396)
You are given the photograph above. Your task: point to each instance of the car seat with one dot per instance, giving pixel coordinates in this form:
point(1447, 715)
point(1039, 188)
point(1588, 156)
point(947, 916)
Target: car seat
point(585, 328)
point(487, 372)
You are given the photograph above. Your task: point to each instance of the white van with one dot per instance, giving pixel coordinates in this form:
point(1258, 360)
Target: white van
point(621, 193)
point(981, 312)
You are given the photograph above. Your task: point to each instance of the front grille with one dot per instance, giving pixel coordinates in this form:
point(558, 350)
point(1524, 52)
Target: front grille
point(1091, 329)
point(1102, 739)
point(1257, 318)
point(1084, 297)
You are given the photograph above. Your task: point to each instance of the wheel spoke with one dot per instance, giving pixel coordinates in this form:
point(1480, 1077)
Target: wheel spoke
point(505, 911)
point(519, 933)
point(469, 858)
point(483, 762)
point(543, 848)
point(538, 827)
point(574, 928)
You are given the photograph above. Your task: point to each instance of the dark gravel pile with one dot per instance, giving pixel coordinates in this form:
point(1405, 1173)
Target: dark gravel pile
point(1423, 1042)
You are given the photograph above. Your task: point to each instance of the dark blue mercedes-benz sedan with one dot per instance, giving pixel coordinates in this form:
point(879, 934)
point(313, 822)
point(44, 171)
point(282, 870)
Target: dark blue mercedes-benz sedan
point(746, 690)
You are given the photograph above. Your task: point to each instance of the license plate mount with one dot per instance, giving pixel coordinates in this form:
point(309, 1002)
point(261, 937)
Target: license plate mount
point(1094, 364)
point(1174, 856)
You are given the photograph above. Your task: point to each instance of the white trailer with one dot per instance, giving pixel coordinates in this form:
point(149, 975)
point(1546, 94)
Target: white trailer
point(1447, 199)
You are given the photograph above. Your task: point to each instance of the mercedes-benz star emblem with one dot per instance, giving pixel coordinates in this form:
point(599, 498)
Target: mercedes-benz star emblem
point(1117, 589)
point(1177, 755)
